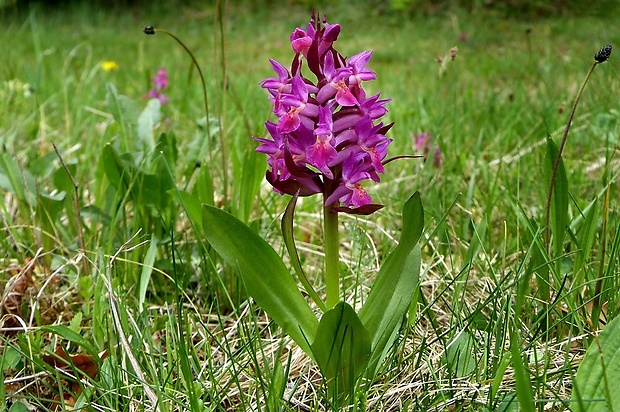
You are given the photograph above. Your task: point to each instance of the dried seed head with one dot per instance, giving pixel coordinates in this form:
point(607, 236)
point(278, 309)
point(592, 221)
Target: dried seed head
point(149, 30)
point(603, 54)
point(453, 52)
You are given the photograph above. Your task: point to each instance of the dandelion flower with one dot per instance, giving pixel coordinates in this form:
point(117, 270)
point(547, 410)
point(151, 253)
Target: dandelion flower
point(109, 66)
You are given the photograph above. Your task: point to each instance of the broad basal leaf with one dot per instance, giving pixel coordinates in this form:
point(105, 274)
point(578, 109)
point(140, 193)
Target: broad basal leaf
point(594, 388)
point(265, 277)
point(525, 395)
point(341, 347)
point(396, 282)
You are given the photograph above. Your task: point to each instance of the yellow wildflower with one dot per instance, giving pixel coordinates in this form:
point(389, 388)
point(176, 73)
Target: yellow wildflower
point(109, 66)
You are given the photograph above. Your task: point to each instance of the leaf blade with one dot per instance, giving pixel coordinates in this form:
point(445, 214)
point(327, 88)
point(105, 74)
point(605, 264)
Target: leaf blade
point(342, 347)
point(396, 283)
point(594, 387)
point(266, 278)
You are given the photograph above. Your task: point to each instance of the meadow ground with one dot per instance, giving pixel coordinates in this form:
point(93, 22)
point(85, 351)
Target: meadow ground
point(103, 249)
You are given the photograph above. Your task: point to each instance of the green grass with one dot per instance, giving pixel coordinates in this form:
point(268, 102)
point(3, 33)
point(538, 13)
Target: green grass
point(178, 328)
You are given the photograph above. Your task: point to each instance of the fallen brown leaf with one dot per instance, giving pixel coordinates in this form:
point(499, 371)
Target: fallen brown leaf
point(13, 294)
point(67, 363)
point(85, 363)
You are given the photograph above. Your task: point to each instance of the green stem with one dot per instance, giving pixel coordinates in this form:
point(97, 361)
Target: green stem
point(559, 156)
point(332, 250)
point(195, 62)
point(222, 129)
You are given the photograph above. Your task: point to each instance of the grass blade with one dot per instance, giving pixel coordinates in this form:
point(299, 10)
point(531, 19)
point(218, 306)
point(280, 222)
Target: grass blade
point(525, 395)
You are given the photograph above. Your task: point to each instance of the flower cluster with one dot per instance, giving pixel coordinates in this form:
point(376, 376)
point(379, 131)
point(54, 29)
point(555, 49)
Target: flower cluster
point(328, 138)
point(16, 86)
point(160, 82)
point(423, 143)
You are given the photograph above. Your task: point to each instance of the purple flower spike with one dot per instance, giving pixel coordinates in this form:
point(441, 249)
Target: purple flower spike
point(423, 144)
point(328, 137)
point(160, 82)
point(161, 79)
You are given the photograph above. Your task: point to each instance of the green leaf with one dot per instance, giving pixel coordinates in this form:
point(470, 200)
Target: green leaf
point(249, 172)
point(459, 357)
point(204, 186)
point(147, 270)
point(508, 403)
point(594, 387)
point(476, 241)
point(44, 166)
point(16, 180)
point(67, 333)
point(523, 384)
point(559, 199)
point(51, 206)
point(587, 234)
point(342, 347)
point(114, 166)
point(49, 209)
point(147, 121)
point(19, 407)
point(152, 189)
point(76, 322)
point(499, 375)
point(10, 358)
point(265, 277)
point(191, 204)
point(395, 285)
point(62, 180)
point(166, 154)
point(124, 111)
point(277, 386)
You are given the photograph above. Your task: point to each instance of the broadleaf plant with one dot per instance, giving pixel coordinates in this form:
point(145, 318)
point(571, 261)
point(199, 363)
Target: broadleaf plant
point(328, 139)
point(594, 386)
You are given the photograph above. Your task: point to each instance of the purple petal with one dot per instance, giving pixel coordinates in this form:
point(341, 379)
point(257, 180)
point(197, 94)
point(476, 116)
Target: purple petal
point(300, 41)
point(360, 60)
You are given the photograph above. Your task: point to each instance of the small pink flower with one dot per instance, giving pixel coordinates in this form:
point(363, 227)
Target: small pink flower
point(161, 79)
point(160, 82)
point(423, 143)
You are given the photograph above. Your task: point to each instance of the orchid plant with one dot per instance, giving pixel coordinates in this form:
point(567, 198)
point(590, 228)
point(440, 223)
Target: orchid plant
point(328, 139)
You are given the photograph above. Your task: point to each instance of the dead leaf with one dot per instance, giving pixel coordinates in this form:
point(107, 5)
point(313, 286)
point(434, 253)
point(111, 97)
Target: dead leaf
point(66, 363)
point(85, 363)
point(66, 405)
point(13, 294)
